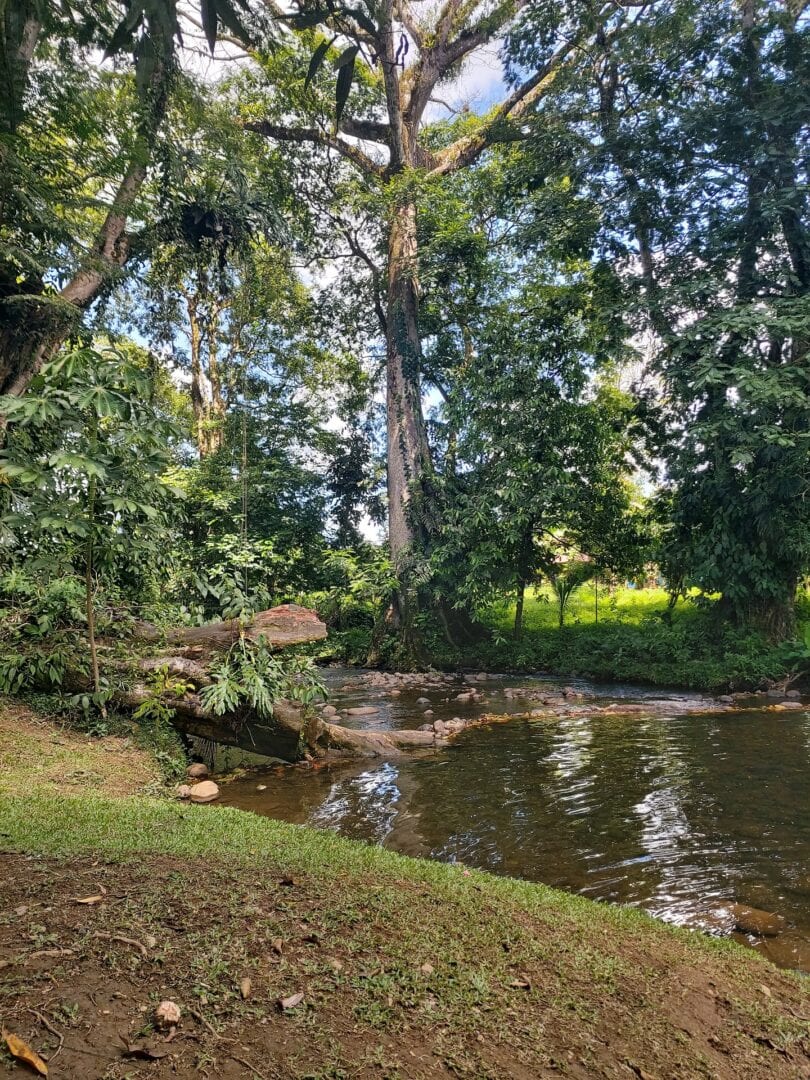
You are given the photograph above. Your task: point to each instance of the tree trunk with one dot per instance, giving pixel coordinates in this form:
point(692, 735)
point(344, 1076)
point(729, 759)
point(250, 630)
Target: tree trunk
point(772, 616)
point(287, 624)
point(33, 336)
point(408, 452)
point(518, 631)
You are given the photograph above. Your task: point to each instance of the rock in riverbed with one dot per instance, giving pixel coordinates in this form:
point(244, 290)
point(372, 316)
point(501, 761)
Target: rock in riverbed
point(751, 920)
point(197, 771)
point(205, 792)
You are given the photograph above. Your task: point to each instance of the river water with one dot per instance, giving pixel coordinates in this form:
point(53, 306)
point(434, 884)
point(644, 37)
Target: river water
point(676, 814)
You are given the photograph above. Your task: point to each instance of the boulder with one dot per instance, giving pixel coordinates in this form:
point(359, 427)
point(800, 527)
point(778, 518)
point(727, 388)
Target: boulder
point(428, 712)
point(789, 706)
point(329, 710)
point(205, 792)
point(197, 771)
point(184, 791)
point(793, 695)
point(751, 920)
point(422, 701)
point(362, 710)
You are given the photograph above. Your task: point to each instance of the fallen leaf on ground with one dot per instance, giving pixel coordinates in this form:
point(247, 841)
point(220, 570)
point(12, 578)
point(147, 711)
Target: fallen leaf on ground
point(245, 986)
point(23, 1052)
point(290, 1002)
point(521, 983)
point(426, 969)
point(277, 945)
point(89, 899)
point(288, 881)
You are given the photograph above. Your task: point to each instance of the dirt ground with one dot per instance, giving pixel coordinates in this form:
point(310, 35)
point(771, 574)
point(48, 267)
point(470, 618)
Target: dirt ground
point(393, 983)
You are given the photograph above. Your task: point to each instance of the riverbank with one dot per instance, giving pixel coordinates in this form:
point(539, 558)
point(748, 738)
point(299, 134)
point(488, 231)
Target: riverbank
point(407, 968)
point(629, 636)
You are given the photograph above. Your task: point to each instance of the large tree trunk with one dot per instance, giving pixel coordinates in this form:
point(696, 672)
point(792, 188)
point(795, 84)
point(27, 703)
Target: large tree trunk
point(408, 451)
point(773, 615)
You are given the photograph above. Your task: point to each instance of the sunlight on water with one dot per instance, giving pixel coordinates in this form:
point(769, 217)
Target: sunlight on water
point(673, 814)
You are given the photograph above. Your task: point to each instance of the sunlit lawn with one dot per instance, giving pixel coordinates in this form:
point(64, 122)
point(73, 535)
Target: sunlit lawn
point(621, 605)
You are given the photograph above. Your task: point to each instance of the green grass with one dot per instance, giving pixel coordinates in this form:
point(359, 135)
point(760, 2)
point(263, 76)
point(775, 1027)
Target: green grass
point(121, 829)
point(627, 606)
point(637, 640)
point(409, 968)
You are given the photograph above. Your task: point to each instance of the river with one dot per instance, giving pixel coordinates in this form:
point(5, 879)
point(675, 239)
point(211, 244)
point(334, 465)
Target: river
point(676, 814)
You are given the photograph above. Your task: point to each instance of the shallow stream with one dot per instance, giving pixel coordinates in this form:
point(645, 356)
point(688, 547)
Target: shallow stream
point(676, 814)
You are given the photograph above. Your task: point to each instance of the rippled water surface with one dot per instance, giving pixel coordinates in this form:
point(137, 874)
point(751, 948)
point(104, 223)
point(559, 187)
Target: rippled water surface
point(675, 814)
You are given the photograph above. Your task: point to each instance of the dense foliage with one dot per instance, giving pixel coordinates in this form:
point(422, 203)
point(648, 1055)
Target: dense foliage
point(250, 311)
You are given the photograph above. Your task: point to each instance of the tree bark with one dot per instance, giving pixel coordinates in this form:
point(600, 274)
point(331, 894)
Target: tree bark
point(521, 593)
point(408, 451)
point(287, 624)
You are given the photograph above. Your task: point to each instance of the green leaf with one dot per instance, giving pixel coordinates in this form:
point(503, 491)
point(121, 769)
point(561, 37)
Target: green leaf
point(317, 60)
point(344, 80)
point(208, 15)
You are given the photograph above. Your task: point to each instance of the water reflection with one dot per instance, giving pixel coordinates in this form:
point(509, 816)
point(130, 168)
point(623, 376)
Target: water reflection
point(671, 814)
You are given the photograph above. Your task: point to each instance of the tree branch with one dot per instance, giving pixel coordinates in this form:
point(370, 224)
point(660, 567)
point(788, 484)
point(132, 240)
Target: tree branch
point(466, 150)
point(295, 134)
point(372, 130)
point(406, 15)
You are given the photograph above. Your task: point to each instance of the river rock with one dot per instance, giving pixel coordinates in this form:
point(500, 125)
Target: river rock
point(422, 701)
point(394, 693)
point(197, 771)
point(775, 693)
point(794, 695)
point(426, 727)
point(183, 791)
point(329, 710)
point(362, 710)
point(789, 706)
point(788, 951)
point(466, 696)
point(440, 727)
point(205, 792)
point(428, 712)
point(751, 920)
point(726, 699)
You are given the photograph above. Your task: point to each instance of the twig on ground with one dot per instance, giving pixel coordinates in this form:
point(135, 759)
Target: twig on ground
point(47, 1024)
point(253, 1069)
point(204, 1022)
point(139, 945)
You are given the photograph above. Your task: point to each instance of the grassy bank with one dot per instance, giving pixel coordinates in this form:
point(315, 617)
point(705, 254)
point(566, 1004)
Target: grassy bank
point(406, 968)
point(630, 636)
point(636, 640)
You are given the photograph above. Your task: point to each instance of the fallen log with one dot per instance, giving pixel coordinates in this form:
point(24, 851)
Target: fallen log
point(287, 624)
